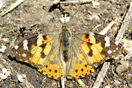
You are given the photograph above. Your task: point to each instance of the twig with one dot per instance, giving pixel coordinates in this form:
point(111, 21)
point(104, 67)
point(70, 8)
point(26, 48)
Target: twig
point(77, 1)
point(81, 83)
point(4, 39)
point(96, 26)
point(13, 7)
point(125, 24)
point(101, 75)
point(128, 56)
point(105, 30)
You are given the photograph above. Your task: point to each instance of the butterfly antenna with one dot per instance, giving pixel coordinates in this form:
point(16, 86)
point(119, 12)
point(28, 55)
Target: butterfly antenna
point(51, 20)
point(76, 12)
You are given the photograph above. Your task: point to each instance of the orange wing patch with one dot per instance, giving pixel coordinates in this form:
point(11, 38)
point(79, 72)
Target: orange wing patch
point(40, 50)
point(42, 39)
point(94, 54)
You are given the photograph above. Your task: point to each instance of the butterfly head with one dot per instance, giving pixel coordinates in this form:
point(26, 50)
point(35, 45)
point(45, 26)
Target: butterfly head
point(65, 18)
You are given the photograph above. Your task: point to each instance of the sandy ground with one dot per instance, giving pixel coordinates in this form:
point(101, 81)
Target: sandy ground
point(37, 16)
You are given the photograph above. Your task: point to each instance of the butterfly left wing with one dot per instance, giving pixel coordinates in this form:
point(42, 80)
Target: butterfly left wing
point(42, 52)
point(88, 51)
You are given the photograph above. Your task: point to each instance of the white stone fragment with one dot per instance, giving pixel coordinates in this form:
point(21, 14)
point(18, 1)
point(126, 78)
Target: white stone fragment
point(4, 70)
point(16, 52)
point(24, 55)
point(4, 73)
point(117, 82)
point(107, 39)
point(4, 77)
point(20, 78)
point(19, 54)
point(1, 75)
point(8, 73)
point(3, 49)
point(95, 3)
point(107, 86)
point(25, 47)
point(116, 42)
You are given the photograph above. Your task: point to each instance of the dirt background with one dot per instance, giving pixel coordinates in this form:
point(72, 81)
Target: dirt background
point(38, 16)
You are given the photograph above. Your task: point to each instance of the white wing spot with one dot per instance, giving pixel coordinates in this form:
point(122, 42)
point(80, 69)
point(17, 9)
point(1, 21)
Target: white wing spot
point(109, 52)
point(107, 39)
point(19, 54)
point(24, 55)
point(16, 47)
point(116, 48)
point(16, 52)
point(25, 47)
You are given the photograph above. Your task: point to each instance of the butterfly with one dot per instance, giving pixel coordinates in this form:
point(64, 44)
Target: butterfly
point(66, 54)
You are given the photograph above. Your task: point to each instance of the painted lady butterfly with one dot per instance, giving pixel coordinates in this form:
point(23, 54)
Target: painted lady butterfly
point(66, 54)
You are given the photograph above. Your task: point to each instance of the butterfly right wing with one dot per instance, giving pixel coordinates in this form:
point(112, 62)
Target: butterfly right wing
point(89, 51)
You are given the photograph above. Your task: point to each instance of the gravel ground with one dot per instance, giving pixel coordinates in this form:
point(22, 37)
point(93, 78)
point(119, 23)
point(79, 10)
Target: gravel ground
point(38, 16)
